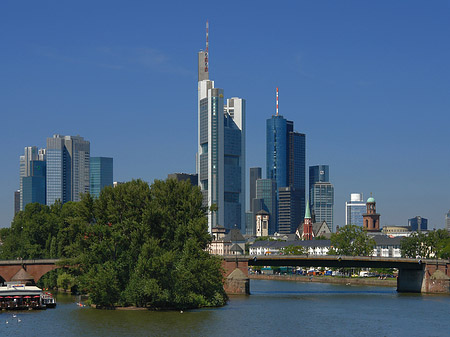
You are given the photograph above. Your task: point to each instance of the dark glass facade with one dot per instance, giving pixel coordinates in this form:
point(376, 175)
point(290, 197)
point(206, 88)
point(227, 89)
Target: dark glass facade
point(101, 174)
point(33, 186)
point(418, 224)
point(286, 165)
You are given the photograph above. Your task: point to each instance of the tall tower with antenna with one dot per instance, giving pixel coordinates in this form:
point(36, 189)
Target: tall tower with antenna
point(221, 150)
point(285, 165)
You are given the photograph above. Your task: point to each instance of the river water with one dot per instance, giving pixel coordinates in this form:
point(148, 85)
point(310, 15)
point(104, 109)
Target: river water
point(275, 308)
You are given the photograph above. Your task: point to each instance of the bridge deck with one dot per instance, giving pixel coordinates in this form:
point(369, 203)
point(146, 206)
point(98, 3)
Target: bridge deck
point(335, 261)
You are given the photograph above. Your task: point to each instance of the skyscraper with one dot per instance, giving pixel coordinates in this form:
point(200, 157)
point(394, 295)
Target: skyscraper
point(101, 174)
point(255, 174)
point(321, 194)
point(33, 185)
point(354, 210)
point(67, 168)
point(31, 154)
point(221, 150)
point(266, 194)
point(285, 165)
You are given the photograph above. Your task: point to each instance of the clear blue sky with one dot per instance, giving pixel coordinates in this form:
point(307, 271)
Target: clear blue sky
point(367, 81)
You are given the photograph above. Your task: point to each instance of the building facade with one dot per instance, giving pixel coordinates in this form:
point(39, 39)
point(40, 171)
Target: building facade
point(34, 185)
point(67, 168)
point(255, 174)
point(418, 224)
point(31, 153)
point(221, 151)
point(285, 165)
point(101, 174)
point(354, 210)
point(266, 199)
point(321, 195)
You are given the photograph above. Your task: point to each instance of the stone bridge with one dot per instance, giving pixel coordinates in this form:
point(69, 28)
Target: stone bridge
point(414, 275)
point(36, 268)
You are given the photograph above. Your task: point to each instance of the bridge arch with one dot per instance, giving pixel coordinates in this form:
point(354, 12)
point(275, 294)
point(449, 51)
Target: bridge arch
point(36, 268)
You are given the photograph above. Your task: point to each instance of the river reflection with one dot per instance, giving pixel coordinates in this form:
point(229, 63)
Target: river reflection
point(275, 308)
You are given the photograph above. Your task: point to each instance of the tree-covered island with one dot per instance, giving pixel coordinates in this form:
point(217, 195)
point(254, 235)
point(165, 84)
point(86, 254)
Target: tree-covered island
point(136, 245)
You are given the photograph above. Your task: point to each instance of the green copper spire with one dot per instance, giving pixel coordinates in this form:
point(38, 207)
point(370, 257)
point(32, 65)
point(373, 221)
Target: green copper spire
point(308, 212)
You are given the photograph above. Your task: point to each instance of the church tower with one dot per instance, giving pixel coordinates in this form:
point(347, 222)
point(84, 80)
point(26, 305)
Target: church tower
point(307, 225)
point(371, 219)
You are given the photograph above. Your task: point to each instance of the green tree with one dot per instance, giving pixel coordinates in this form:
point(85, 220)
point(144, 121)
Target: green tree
point(426, 245)
point(351, 240)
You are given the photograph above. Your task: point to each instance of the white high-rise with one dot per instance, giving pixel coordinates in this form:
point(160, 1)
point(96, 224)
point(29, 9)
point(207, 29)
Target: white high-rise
point(221, 151)
point(354, 210)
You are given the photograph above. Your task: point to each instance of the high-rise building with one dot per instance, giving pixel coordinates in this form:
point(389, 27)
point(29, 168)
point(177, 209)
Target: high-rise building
point(285, 165)
point(67, 168)
point(266, 194)
point(31, 154)
point(221, 151)
point(319, 173)
point(321, 194)
point(33, 185)
point(289, 216)
point(354, 210)
point(322, 201)
point(418, 224)
point(101, 174)
point(16, 202)
point(255, 174)
point(447, 221)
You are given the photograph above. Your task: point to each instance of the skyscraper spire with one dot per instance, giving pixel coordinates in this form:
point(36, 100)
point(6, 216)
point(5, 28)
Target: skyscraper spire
point(207, 47)
point(277, 101)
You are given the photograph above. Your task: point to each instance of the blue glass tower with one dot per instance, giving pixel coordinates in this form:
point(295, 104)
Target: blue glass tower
point(277, 150)
point(285, 165)
point(101, 174)
point(33, 186)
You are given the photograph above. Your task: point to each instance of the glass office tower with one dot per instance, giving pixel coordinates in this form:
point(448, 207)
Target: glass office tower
point(418, 224)
point(266, 194)
point(67, 168)
point(101, 174)
point(221, 152)
point(354, 210)
point(321, 194)
point(285, 165)
point(33, 186)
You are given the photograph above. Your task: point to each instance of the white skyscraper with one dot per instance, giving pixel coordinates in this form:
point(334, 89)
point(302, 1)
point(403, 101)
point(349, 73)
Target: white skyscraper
point(354, 210)
point(221, 150)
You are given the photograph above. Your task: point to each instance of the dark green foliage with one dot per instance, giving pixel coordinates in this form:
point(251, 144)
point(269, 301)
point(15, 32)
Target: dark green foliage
point(427, 245)
point(351, 240)
point(134, 245)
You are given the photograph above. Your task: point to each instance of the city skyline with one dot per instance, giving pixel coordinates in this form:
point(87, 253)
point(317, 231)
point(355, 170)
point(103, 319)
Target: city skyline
point(367, 83)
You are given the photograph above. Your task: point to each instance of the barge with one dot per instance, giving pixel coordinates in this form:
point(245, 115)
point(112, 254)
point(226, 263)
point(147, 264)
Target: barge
point(19, 296)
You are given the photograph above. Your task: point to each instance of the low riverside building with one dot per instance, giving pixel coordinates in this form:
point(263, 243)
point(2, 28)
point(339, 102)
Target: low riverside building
point(227, 242)
point(311, 247)
point(387, 246)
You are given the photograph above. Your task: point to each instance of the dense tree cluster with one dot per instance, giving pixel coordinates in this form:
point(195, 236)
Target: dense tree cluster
point(134, 245)
point(434, 244)
point(351, 240)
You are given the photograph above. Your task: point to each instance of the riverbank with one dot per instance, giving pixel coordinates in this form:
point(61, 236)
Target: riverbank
point(369, 281)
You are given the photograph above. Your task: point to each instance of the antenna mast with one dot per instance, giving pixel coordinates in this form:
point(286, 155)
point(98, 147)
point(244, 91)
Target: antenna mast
point(277, 101)
point(207, 47)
